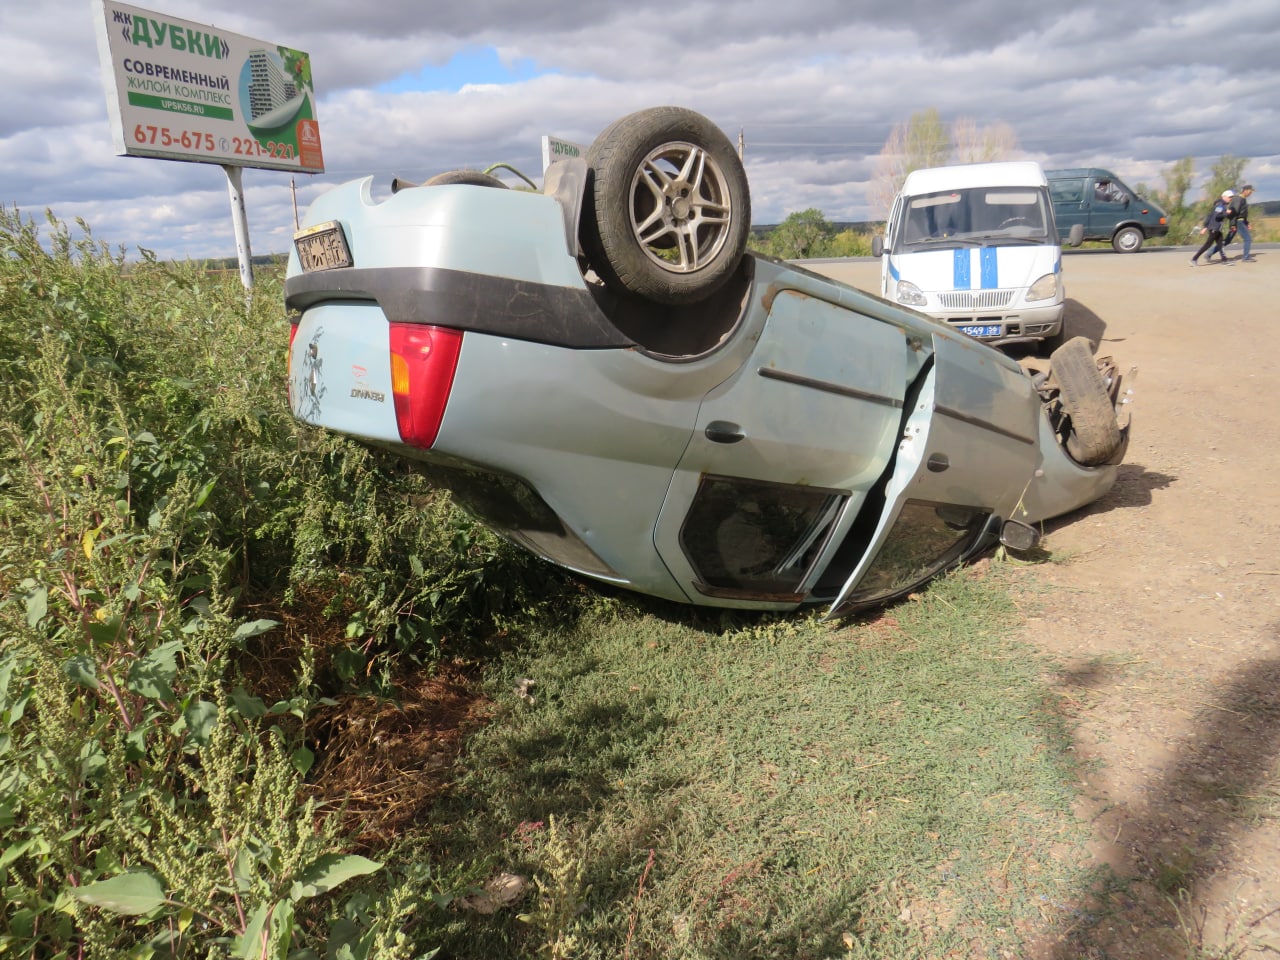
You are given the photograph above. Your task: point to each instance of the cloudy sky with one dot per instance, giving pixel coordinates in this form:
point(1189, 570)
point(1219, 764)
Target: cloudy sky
point(410, 89)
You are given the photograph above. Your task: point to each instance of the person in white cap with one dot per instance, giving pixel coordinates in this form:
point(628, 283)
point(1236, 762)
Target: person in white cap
point(1213, 228)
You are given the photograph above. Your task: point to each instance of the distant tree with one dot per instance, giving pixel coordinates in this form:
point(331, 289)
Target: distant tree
point(803, 234)
point(849, 243)
point(922, 141)
point(925, 141)
point(974, 144)
point(1186, 213)
point(1225, 175)
point(1177, 183)
point(1184, 220)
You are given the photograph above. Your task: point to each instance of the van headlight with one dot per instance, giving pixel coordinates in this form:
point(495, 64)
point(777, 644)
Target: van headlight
point(1046, 288)
point(909, 294)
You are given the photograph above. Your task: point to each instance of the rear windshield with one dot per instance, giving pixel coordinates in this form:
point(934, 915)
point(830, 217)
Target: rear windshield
point(978, 215)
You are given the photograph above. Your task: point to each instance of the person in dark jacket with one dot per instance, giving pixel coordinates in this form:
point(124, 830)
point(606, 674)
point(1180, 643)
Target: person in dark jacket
point(1238, 210)
point(1212, 228)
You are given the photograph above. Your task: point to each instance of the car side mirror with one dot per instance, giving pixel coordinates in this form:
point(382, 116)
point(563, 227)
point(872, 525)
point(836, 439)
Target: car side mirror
point(1076, 236)
point(877, 245)
point(1019, 536)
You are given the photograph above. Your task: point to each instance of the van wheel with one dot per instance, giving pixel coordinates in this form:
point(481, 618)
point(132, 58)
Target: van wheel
point(1094, 435)
point(667, 214)
point(1127, 240)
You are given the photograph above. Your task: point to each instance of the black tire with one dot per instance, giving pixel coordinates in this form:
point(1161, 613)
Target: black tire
point(1127, 240)
point(667, 212)
point(474, 178)
point(1094, 435)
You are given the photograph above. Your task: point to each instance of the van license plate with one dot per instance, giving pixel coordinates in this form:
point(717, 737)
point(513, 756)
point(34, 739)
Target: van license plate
point(982, 329)
point(322, 247)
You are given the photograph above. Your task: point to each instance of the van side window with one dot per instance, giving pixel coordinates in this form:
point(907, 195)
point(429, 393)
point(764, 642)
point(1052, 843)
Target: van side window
point(1066, 191)
point(1105, 191)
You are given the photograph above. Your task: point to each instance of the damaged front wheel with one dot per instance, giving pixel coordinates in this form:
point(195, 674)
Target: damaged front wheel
point(1093, 434)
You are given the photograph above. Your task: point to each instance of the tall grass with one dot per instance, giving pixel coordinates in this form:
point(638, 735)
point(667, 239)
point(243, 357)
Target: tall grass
point(896, 788)
point(197, 595)
point(185, 576)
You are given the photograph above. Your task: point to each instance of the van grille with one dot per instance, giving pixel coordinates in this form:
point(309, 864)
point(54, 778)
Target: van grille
point(977, 300)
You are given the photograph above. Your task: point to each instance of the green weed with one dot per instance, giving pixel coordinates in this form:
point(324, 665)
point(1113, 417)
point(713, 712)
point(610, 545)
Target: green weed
point(902, 782)
point(186, 575)
point(189, 578)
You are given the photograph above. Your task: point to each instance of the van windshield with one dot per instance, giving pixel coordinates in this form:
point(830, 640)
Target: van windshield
point(976, 216)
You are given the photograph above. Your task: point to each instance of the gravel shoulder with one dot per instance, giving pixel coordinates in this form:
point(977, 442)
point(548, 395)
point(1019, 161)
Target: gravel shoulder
point(1161, 604)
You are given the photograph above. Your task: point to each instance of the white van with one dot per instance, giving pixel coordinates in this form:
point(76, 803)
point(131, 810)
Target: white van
point(976, 245)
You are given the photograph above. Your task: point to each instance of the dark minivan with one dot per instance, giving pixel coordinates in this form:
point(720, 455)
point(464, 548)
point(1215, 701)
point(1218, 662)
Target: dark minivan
point(1107, 207)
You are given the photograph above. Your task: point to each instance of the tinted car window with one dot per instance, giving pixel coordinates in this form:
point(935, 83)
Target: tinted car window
point(754, 537)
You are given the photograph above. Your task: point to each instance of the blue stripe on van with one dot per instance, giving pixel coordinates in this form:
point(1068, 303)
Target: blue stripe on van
point(960, 279)
point(990, 270)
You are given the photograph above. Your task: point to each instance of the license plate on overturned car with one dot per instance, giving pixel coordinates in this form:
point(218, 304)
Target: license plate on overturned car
point(322, 247)
point(981, 329)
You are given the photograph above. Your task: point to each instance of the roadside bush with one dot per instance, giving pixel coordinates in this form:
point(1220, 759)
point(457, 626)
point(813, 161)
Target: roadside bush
point(807, 234)
point(165, 528)
point(1265, 229)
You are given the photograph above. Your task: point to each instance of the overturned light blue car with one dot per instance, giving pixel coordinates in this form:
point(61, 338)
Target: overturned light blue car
point(603, 373)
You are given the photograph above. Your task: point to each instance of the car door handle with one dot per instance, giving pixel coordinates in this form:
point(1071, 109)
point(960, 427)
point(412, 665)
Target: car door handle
point(722, 431)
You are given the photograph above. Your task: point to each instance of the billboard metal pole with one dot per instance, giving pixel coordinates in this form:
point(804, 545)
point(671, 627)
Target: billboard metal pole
point(241, 222)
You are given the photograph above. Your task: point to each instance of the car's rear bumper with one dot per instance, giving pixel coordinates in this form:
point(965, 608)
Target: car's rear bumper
point(482, 302)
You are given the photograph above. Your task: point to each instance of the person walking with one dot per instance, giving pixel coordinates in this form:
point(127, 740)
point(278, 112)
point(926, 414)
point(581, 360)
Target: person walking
point(1239, 211)
point(1213, 228)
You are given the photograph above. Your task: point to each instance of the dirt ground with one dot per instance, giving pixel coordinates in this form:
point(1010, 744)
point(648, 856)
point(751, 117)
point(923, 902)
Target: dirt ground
point(1162, 602)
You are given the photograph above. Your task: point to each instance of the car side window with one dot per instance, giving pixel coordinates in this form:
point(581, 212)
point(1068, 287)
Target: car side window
point(926, 538)
point(1066, 191)
point(1106, 191)
point(892, 222)
point(756, 537)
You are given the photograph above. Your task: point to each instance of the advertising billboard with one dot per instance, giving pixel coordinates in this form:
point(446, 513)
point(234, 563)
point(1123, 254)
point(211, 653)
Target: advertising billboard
point(554, 148)
point(179, 90)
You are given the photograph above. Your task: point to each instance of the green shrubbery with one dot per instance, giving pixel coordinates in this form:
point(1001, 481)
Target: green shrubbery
point(808, 235)
point(206, 609)
point(166, 529)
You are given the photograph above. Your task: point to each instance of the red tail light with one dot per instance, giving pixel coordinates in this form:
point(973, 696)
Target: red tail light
point(423, 360)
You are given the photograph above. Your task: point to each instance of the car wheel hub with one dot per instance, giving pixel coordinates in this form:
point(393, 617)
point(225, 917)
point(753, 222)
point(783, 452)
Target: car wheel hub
point(680, 207)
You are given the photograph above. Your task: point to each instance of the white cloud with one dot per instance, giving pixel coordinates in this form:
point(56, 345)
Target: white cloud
point(814, 93)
